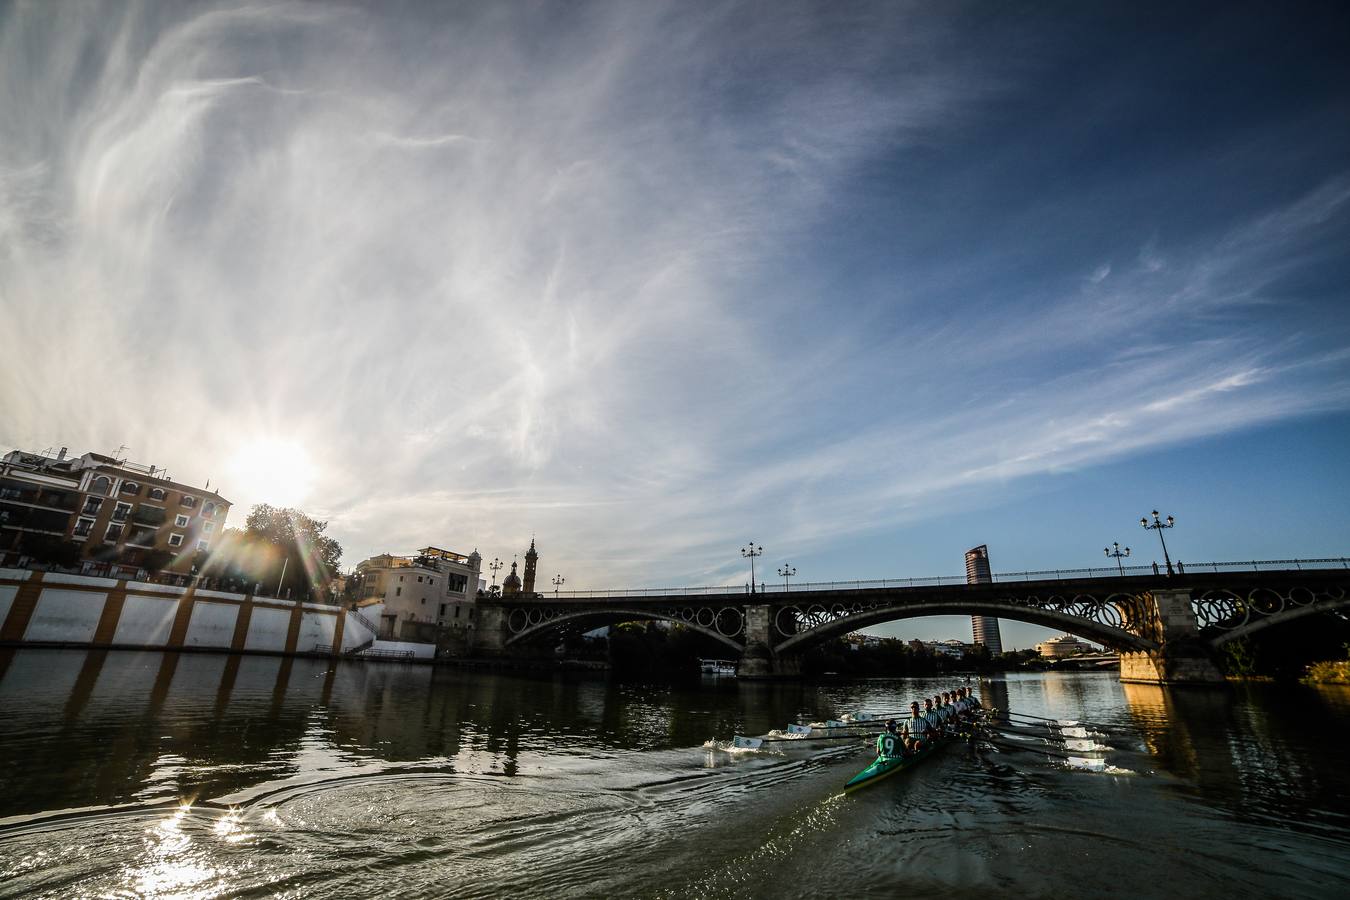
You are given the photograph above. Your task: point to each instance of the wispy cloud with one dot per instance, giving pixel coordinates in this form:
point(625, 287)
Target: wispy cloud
point(501, 272)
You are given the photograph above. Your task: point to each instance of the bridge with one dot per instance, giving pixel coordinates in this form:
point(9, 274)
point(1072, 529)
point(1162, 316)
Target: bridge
point(1167, 628)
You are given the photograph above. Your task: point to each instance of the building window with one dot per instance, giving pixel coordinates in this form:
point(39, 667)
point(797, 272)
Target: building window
point(442, 612)
point(424, 601)
point(457, 583)
point(175, 540)
point(114, 533)
point(156, 493)
point(130, 487)
point(121, 511)
point(187, 501)
point(92, 505)
point(101, 484)
point(209, 510)
point(400, 578)
point(456, 612)
point(203, 545)
point(83, 527)
point(398, 592)
point(180, 521)
point(208, 527)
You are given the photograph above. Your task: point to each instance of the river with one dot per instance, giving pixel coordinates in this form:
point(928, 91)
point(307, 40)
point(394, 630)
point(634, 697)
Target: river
point(195, 775)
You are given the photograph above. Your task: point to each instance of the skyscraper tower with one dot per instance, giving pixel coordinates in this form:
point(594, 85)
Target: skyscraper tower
point(531, 561)
point(978, 572)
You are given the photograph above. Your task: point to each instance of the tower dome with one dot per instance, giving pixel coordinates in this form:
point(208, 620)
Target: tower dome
point(511, 584)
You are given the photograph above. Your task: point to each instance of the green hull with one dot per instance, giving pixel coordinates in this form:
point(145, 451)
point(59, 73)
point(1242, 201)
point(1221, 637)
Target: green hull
point(884, 768)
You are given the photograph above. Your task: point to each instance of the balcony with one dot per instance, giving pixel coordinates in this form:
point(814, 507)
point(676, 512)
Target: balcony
point(148, 515)
point(141, 538)
point(49, 499)
point(82, 528)
point(91, 507)
point(28, 518)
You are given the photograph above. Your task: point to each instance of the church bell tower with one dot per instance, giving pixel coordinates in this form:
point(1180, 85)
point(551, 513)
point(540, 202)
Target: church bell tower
point(531, 561)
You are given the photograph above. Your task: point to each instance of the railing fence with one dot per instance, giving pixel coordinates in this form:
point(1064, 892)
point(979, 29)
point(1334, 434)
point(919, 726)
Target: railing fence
point(769, 587)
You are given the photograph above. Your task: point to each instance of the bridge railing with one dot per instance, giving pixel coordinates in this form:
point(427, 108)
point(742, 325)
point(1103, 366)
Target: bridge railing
point(769, 587)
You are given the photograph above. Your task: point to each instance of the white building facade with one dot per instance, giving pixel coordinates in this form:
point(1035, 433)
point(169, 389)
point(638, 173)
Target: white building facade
point(425, 597)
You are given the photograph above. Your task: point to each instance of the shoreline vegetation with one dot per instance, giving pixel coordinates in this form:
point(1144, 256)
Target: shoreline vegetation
point(1330, 671)
point(643, 651)
point(1317, 652)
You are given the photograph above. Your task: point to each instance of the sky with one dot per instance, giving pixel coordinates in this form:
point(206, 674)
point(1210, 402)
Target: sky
point(868, 284)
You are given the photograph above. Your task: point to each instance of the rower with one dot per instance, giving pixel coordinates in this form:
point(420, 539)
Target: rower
point(916, 729)
point(931, 717)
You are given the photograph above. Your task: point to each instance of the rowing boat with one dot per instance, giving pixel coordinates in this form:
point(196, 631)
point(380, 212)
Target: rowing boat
point(884, 767)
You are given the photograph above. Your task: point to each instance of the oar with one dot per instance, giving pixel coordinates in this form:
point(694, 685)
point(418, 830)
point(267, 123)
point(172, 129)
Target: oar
point(751, 743)
point(1053, 735)
point(1057, 722)
point(1053, 753)
point(1091, 729)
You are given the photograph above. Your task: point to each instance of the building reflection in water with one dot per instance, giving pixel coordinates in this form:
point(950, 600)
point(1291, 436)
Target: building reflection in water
point(994, 693)
point(1253, 748)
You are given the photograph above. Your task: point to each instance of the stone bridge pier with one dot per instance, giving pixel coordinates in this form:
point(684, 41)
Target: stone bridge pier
point(1181, 657)
point(759, 659)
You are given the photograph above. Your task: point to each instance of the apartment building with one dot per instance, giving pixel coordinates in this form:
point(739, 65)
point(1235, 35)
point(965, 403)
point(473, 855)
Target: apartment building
point(125, 518)
point(422, 595)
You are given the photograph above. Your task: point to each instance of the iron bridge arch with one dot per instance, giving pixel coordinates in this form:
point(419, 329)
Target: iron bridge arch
point(1103, 619)
point(723, 624)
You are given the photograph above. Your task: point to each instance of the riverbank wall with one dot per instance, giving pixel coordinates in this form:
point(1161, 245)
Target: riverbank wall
point(53, 609)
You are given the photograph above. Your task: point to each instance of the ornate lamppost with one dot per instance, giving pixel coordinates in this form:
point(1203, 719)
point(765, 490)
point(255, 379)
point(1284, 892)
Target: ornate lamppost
point(752, 551)
point(558, 582)
point(1118, 554)
point(1158, 525)
point(495, 566)
point(786, 572)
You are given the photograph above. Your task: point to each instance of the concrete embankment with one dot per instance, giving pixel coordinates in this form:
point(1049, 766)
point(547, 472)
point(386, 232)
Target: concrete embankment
point(53, 609)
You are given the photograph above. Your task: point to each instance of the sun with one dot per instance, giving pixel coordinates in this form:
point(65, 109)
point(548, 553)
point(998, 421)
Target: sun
point(276, 471)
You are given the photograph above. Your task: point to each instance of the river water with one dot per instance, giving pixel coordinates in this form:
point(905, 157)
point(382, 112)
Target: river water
point(151, 774)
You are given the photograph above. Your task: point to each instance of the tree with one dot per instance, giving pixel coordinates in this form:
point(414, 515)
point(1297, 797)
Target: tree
point(303, 560)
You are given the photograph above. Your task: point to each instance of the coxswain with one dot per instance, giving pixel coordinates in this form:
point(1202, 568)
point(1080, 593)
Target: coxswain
point(888, 742)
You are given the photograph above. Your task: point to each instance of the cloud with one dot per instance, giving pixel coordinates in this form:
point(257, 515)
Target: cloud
point(501, 270)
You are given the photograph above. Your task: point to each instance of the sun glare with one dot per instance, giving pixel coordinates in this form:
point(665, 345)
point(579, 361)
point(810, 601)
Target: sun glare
point(271, 470)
